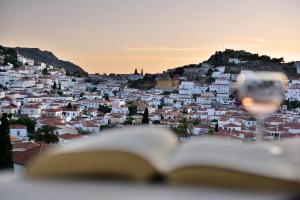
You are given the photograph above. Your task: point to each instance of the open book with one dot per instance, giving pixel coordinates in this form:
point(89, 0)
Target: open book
point(142, 153)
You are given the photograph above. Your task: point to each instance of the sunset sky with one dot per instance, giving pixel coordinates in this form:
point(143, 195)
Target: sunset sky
point(117, 36)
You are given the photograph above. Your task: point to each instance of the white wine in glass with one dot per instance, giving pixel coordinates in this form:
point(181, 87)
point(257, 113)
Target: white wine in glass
point(261, 93)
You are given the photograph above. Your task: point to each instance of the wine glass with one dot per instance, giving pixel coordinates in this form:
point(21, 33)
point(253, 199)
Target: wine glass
point(261, 94)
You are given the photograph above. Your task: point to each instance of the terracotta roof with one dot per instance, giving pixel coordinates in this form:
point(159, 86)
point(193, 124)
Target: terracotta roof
point(69, 136)
point(52, 110)
point(52, 122)
point(274, 119)
point(224, 133)
point(9, 107)
point(69, 109)
point(17, 126)
point(231, 125)
point(32, 106)
point(89, 124)
point(25, 145)
point(5, 99)
point(23, 157)
point(294, 126)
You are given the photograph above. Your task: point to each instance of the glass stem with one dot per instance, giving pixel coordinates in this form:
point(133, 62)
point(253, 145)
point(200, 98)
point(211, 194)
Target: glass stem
point(260, 130)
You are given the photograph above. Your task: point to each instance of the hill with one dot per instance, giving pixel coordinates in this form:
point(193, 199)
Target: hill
point(50, 59)
point(249, 61)
point(8, 55)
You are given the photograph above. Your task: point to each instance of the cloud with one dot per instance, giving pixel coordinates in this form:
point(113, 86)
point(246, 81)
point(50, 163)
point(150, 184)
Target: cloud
point(161, 48)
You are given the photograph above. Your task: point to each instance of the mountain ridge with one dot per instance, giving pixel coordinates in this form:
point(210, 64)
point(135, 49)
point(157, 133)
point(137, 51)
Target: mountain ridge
point(44, 56)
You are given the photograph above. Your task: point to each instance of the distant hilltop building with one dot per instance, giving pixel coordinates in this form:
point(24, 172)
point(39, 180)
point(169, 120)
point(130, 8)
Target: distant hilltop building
point(236, 61)
point(297, 65)
point(167, 84)
point(25, 60)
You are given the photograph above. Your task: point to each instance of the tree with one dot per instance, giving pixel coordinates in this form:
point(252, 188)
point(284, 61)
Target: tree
point(60, 93)
point(142, 72)
point(10, 115)
point(59, 86)
point(292, 104)
point(156, 122)
point(211, 131)
point(115, 92)
point(69, 106)
point(216, 124)
point(129, 120)
point(209, 72)
point(106, 97)
point(54, 86)
point(184, 111)
point(209, 80)
point(135, 71)
point(104, 109)
point(6, 160)
point(183, 127)
point(234, 95)
point(132, 110)
point(217, 127)
point(196, 122)
point(145, 119)
point(45, 71)
point(82, 94)
point(46, 134)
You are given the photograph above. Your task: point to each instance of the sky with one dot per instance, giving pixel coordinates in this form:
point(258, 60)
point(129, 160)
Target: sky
point(117, 36)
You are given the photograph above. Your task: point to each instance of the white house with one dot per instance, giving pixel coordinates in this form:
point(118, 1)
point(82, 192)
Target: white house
point(24, 83)
point(220, 88)
point(70, 113)
point(88, 126)
point(233, 127)
point(293, 92)
point(18, 131)
point(251, 121)
point(200, 130)
point(9, 109)
point(32, 110)
point(94, 104)
point(24, 60)
point(190, 88)
point(118, 106)
point(53, 112)
point(294, 129)
point(234, 60)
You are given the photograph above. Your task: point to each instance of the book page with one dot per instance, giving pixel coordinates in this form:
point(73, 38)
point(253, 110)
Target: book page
point(114, 150)
point(231, 155)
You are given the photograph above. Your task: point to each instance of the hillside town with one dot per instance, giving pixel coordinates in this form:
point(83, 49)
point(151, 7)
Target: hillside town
point(47, 104)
